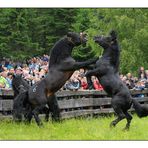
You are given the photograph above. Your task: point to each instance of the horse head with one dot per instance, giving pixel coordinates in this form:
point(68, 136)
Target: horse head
point(77, 38)
point(106, 41)
point(17, 82)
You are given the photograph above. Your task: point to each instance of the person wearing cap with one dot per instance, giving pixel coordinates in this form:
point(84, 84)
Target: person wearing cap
point(18, 70)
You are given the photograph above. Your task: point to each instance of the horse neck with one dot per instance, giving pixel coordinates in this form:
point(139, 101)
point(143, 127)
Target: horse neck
point(60, 51)
point(113, 55)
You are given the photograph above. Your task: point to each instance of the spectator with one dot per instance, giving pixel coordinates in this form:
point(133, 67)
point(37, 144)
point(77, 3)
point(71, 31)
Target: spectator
point(146, 84)
point(3, 81)
point(141, 73)
point(96, 84)
point(36, 68)
point(9, 79)
point(73, 83)
point(83, 82)
point(18, 70)
point(123, 78)
point(33, 65)
point(81, 72)
point(140, 85)
point(1, 68)
point(146, 74)
point(129, 76)
point(11, 70)
point(130, 81)
point(45, 58)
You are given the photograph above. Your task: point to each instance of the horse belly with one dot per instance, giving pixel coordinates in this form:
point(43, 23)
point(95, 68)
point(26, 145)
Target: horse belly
point(63, 79)
point(58, 81)
point(109, 84)
point(37, 94)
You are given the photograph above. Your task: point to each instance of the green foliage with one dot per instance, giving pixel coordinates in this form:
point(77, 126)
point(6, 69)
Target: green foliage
point(29, 32)
point(131, 26)
point(83, 53)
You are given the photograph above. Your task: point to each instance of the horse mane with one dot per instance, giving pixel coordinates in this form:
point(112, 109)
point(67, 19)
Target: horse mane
point(115, 55)
point(61, 50)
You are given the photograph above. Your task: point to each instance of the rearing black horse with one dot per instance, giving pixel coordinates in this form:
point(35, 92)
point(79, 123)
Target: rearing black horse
point(107, 71)
point(61, 67)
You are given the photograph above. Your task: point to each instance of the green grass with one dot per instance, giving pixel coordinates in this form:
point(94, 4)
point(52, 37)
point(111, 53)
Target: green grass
point(75, 129)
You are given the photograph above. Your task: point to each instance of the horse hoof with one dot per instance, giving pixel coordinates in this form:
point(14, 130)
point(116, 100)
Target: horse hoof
point(41, 125)
point(27, 122)
point(112, 125)
point(46, 119)
point(125, 129)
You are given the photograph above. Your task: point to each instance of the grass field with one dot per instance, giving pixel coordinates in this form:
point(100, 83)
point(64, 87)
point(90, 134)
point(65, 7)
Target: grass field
point(75, 129)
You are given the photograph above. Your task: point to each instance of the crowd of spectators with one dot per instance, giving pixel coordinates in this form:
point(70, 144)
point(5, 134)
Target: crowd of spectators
point(32, 70)
point(36, 68)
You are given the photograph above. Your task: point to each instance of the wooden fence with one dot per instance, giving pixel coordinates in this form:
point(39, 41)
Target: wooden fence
point(75, 103)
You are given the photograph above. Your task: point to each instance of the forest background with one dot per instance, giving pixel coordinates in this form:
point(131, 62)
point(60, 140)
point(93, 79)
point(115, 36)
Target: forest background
point(29, 32)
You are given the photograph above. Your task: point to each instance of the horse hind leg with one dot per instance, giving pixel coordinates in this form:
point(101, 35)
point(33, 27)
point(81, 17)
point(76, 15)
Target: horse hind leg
point(120, 117)
point(129, 118)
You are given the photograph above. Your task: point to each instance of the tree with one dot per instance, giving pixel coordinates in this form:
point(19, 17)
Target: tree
point(131, 26)
point(14, 32)
point(28, 32)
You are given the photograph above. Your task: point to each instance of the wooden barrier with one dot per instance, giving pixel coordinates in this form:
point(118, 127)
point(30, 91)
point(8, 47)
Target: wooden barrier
point(74, 103)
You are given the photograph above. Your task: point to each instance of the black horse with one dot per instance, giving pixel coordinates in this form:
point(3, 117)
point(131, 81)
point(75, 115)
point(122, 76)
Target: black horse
point(106, 71)
point(61, 67)
point(20, 103)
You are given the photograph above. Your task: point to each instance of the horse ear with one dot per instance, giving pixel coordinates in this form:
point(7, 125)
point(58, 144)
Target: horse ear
point(69, 34)
point(113, 34)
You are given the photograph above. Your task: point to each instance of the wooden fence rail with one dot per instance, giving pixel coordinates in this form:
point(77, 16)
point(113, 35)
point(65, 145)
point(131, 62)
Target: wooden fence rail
point(75, 103)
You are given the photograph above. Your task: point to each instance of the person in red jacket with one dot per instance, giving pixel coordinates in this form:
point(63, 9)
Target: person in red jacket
point(84, 84)
point(96, 84)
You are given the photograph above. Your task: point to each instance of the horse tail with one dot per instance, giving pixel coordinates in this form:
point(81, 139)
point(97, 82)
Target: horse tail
point(140, 109)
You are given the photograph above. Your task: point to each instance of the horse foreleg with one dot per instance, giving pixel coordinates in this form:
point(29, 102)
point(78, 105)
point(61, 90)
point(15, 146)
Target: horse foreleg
point(18, 106)
point(54, 108)
point(89, 82)
point(28, 115)
point(93, 72)
point(77, 65)
point(35, 113)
